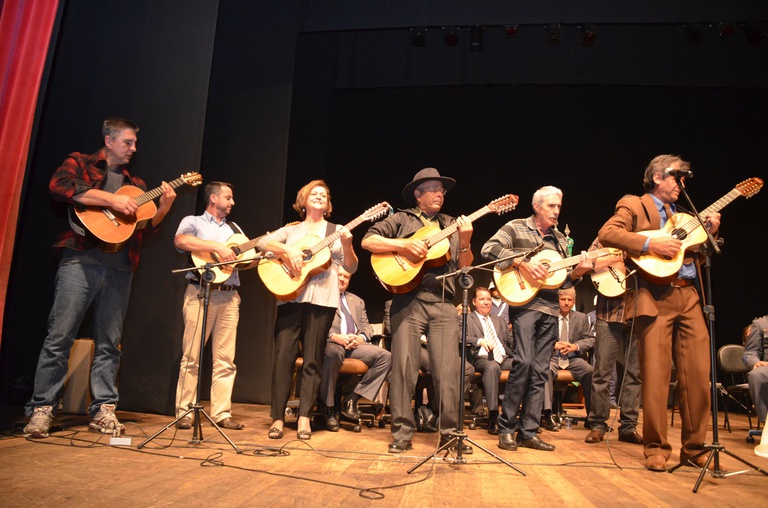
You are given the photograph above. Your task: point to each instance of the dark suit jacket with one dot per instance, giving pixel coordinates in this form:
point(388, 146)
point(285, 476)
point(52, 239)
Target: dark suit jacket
point(580, 333)
point(475, 332)
point(357, 309)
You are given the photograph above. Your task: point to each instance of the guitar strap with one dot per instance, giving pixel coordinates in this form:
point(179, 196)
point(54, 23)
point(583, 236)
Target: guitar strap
point(235, 227)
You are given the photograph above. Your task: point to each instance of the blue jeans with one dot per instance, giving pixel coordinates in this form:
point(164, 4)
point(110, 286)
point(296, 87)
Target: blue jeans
point(78, 287)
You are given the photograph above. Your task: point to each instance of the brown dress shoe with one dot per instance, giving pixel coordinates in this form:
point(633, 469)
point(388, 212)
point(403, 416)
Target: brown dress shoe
point(594, 436)
point(631, 437)
point(700, 462)
point(656, 463)
point(229, 423)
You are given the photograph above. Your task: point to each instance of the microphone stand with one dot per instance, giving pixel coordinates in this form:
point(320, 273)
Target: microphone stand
point(715, 448)
point(458, 436)
point(197, 435)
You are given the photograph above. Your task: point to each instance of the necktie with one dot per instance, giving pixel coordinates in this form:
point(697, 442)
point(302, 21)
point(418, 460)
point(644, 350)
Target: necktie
point(349, 325)
point(669, 210)
point(498, 349)
point(563, 361)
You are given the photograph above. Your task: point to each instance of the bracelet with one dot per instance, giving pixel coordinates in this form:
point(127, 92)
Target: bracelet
point(464, 249)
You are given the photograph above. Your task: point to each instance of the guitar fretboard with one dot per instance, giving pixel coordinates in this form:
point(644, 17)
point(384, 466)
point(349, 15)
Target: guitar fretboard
point(438, 236)
point(157, 191)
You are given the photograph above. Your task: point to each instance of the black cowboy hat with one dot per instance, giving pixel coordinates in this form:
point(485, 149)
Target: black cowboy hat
point(422, 176)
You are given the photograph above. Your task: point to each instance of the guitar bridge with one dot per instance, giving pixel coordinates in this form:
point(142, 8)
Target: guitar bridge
point(520, 281)
point(110, 216)
point(400, 262)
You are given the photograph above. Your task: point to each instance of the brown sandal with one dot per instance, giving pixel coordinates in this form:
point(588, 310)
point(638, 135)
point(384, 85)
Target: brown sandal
point(275, 433)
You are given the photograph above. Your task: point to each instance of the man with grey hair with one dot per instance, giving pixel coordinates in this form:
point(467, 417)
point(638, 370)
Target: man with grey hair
point(667, 315)
point(534, 323)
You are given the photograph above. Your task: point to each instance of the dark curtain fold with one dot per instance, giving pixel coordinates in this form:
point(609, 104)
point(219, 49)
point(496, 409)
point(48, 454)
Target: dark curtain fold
point(25, 32)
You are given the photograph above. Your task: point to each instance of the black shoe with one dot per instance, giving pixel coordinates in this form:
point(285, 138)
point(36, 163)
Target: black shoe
point(349, 410)
point(493, 427)
point(631, 437)
point(507, 442)
point(549, 423)
point(399, 446)
point(329, 419)
point(465, 448)
point(536, 443)
point(184, 423)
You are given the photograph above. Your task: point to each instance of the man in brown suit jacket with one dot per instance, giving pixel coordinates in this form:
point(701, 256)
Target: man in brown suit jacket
point(668, 317)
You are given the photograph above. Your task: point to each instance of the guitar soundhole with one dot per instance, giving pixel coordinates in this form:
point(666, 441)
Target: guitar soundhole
point(680, 234)
point(307, 255)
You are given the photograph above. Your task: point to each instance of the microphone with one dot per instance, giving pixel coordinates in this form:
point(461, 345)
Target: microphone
point(679, 173)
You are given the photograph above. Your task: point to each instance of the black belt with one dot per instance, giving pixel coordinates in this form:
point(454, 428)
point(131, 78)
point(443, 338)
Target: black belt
point(681, 283)
point(218, 287)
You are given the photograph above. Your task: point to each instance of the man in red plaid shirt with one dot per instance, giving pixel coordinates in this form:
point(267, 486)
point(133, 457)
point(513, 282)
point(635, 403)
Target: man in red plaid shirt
point(88, 277)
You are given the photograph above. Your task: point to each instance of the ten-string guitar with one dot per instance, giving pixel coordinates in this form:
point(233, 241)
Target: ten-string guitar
point(317, 258)
point(517, 289)
point(399, 272)
point(109, 230)
point(688, 230)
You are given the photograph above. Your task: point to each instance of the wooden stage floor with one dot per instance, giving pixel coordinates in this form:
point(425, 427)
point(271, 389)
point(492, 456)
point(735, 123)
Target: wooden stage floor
point(75, 467)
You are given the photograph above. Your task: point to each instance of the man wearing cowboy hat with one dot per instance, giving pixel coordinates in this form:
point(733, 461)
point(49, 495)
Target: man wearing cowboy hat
point(425, 309)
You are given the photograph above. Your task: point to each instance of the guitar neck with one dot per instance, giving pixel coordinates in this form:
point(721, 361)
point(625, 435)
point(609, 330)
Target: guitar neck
point(445, 233)
point(157, 192)
point(328, 240)
point(250, 244)
point(713, 208)
point(574, 260)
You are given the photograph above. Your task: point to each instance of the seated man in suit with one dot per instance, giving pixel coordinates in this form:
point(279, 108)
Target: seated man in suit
point(350, 337)
point(489, 350)
point(499, 307)
point(575, 338)
point(756, 358)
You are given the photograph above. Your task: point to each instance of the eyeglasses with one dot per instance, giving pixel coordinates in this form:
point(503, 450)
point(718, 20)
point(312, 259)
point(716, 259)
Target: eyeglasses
point(433, 189)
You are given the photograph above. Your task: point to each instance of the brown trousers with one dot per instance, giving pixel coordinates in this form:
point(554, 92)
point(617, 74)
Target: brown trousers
point(679, 329)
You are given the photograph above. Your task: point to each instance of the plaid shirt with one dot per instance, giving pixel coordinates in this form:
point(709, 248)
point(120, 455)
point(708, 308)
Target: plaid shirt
point(521, 235)
point(608, 309)
point(79, 173)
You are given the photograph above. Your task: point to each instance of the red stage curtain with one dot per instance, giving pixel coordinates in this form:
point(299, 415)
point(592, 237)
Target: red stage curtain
point(25, 32)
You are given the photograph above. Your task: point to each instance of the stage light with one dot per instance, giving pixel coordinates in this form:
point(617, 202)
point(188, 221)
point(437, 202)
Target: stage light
point(419, 36)
point(476, 38)
point(755, 33)
point(588, 34)
point(726, 29)
point(510, 30)
point(553, 33)
point(695, 33)
point(450, 35)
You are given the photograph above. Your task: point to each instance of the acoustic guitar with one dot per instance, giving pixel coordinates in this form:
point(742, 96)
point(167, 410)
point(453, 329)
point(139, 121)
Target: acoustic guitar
point(689, 231)
point(109, 230)
point(317, 258)
point(611, 280)
point(243, 249)
point(400, 273)
point(517, 289)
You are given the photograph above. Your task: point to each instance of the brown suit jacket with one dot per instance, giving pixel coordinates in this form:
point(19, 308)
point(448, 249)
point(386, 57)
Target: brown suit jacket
point(635, 213)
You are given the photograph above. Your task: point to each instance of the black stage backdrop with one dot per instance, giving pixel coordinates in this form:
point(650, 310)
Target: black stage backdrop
point(270, 95)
